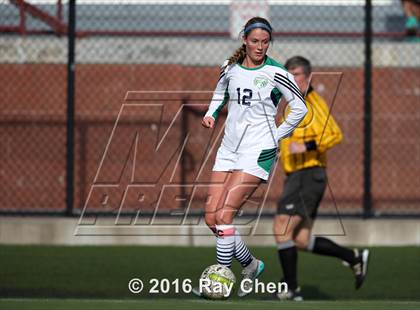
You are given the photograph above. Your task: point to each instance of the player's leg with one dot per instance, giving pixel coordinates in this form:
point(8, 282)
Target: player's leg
point(302, 234)
point(219, 178)
point(224, 163)
point(314, 186)
point(284, 226)
point(289, 216)
point(215, 193)
point(218, 183)
point(250, 184)
point(238, 188)
point(258, 164)
point(357, 259)
point(241, 186)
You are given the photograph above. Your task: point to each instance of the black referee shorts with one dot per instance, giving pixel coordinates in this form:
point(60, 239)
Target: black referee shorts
point(302, 192)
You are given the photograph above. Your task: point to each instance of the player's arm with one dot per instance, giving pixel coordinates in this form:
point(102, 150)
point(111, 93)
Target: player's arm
point(286, 84)
point(219, 99)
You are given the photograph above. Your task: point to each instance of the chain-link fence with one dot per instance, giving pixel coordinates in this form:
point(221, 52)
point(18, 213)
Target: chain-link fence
point(125, 49)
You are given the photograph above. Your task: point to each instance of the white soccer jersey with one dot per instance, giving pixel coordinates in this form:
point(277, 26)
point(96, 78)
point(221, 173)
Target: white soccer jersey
point(252, 96)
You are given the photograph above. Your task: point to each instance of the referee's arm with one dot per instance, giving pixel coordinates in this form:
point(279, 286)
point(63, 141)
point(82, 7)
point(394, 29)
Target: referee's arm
point(328, 131)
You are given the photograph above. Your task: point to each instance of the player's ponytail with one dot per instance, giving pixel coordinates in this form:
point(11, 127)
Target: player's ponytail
point(255, 22)
point(238, 55)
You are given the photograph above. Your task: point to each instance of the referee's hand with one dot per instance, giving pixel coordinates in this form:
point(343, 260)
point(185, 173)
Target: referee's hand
point(297, 148)
point(208, 122)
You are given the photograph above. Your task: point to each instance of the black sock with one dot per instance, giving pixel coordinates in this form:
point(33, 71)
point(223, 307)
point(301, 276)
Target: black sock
point(324, 246)
point(288, 261)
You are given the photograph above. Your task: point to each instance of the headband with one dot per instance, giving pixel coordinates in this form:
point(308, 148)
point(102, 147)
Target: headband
point(257, 25)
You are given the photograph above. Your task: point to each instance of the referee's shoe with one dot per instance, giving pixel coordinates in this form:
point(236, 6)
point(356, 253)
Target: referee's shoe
point(360, 266)
point(292, 295)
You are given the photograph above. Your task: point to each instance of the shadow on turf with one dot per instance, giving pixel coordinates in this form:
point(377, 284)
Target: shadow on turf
point(309, 292)
point(313, 293)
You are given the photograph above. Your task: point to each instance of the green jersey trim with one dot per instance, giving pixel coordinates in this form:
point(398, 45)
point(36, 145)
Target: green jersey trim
point(266, 159)
point(220, 107)
point(272, 62)
point(267, 61)
point(256, 68)
point(275, 96)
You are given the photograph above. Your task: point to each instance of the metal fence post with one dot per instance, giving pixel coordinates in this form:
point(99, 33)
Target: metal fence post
point(367, 131)
point(70, 109)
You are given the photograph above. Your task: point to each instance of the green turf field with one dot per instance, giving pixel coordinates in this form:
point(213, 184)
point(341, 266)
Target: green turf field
point(40, 277)
point(72, 304)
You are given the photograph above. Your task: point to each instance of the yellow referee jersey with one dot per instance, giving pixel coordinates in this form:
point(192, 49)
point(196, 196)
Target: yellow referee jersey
point(318, 131)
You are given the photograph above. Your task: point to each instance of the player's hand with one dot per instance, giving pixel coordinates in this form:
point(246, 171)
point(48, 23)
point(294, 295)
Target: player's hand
point(208, 122)
point(297, 148)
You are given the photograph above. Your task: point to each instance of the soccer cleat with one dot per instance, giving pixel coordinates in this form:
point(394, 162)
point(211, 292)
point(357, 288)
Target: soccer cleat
point(345, 264)
point(250, 274)
point(360, 267)
point(292, 295)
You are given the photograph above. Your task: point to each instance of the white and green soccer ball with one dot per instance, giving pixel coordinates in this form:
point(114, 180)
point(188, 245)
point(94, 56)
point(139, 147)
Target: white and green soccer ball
point(217, 282)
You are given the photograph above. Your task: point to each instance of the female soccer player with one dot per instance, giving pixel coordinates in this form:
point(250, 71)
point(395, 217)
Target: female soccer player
point(251, 84)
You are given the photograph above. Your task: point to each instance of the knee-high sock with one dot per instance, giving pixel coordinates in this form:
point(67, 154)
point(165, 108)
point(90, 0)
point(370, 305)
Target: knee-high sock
point(287, 252)
point(241, 252)
point(225, 244)
point(324, 246)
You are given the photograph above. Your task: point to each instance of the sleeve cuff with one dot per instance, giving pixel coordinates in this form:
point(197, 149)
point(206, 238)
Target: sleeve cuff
point(210, 115)
point(311, 145)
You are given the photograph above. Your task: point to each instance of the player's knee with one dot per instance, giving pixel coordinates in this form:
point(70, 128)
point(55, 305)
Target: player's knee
point(210, 220)
point(281, 233)
point(301, 243)
point(276, 227)
point(223, 218)
point(282, 238)
point(280, 224)
point(220, 220)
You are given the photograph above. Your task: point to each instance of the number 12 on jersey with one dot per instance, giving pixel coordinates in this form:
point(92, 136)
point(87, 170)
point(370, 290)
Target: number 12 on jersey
point(246, 97)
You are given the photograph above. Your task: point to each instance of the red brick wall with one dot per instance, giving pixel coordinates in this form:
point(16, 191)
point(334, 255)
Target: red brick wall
point(32, 131)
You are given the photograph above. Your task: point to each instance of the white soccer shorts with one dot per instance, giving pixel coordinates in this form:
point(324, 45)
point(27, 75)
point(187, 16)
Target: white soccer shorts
point(259, 163)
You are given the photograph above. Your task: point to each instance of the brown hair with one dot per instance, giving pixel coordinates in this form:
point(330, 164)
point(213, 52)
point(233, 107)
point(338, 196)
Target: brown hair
point(299, 61)
point(240, 53)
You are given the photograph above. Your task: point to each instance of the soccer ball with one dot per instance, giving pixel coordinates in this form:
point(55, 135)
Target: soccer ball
point(217, 281)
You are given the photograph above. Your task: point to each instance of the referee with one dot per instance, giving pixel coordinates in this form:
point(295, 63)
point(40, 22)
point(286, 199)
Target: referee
point(304, 160)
